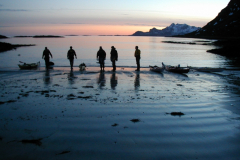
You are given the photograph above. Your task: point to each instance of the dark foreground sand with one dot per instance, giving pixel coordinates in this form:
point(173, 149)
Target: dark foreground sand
point(59, 114)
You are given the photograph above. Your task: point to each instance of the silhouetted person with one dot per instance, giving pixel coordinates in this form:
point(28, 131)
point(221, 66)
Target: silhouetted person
point(114, 57)
point(70, 55)
point(138, 57)
point(101, 56)
point(46, 55)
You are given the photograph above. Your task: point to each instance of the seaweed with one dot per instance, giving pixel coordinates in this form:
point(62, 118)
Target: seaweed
point(32, 141)
point(176, 114)
point(135, 120)
point(63, 152)
point(115, 124)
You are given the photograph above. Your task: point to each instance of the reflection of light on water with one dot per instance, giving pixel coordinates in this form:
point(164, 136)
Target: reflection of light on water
point(153, 51)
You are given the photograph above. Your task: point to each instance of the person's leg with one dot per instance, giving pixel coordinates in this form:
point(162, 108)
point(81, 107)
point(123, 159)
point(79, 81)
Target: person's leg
point(103, 64)
point(113, 64)
point(138, 64)
point(46, 62)
point(71, 63)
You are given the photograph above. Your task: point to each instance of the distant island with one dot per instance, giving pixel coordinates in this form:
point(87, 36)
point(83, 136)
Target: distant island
point(22, 36)
point(47, 36)
point(3, 37)
point(40, 36)
point(7, 46)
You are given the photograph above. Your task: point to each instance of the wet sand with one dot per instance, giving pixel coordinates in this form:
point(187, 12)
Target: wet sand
point(59, 114)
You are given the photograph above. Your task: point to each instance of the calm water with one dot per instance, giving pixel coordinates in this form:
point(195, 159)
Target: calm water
point(154, 52)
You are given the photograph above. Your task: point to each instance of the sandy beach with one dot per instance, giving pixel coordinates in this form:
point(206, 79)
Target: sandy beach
point(63, 114)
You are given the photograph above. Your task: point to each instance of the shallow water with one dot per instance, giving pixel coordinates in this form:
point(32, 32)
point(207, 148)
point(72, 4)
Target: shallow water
point(153, 51)
point(50, 105)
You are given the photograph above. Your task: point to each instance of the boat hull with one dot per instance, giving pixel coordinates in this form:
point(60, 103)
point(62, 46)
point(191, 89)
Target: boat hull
point(28, 65)
point(156, 69)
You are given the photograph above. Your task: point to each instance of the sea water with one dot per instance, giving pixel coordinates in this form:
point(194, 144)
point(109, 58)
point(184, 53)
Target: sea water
point(153, 51)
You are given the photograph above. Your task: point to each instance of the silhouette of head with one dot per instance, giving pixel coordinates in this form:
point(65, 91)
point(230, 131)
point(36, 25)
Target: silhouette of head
point(100, 47)
point(70, 47)
point(113, 47)
point(136, 47)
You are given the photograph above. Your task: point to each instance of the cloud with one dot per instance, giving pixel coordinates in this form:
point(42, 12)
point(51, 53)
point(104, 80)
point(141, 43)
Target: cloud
point(132, 24)
point(73, 23)
point(13, 10)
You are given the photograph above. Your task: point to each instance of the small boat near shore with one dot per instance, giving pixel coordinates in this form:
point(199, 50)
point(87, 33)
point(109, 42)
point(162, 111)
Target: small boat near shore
point(28, 65)
point(156, 69)
point(207, 69)
point(82, 66)
point(176, 69)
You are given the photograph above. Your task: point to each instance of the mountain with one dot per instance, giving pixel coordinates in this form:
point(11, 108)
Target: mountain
point(225, 25)
point(172, 30)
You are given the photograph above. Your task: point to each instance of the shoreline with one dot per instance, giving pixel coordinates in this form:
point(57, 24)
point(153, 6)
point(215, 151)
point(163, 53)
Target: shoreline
point(59, 114)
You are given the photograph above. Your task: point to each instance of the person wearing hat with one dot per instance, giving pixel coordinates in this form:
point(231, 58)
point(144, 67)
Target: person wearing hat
point(101, 56)
point(114, 57)
point(70, 55)
point(46, 55)
point(138, 57)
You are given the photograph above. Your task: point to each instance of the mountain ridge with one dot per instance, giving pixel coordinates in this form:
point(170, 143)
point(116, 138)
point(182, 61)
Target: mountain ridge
point(172, 30)
point(225, 25)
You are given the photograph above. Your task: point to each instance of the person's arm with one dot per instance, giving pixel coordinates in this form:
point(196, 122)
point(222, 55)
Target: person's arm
point(97, 55)
point(75, 54)
point(50, 54)
point(116, 55)
point(111, 55)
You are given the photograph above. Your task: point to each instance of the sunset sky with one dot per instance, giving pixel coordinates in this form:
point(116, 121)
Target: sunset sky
point(102, 17)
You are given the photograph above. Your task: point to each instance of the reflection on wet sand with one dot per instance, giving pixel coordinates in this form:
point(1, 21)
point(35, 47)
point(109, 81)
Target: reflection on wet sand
point(137, 81)
point(71, 77)
point(114, 81)
point(101, 81)
point(46, 77)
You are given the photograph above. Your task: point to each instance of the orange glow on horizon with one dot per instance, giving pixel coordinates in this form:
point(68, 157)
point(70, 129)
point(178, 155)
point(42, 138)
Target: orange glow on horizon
point(79, 29)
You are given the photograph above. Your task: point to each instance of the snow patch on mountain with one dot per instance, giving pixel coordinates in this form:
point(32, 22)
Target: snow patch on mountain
point(172, 30)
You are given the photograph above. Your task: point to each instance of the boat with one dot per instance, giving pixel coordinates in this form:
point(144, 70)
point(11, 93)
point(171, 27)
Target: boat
point(51, 63)
point(82, 66)
point(207, 69)
point(28, 65)
point(176, 69)
point(156, 69)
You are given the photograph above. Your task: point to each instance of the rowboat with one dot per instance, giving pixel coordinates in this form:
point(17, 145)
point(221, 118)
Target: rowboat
point(51, 63)
point(28, 65)
point(82, 66)
point(207, 69)
point(176, 69)
point(156, 69)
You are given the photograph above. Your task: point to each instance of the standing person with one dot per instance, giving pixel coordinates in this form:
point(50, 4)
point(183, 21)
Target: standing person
point(137, 55)
point(114, 57)
point(46, 55)
point(70, 55)
point(101, 56)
